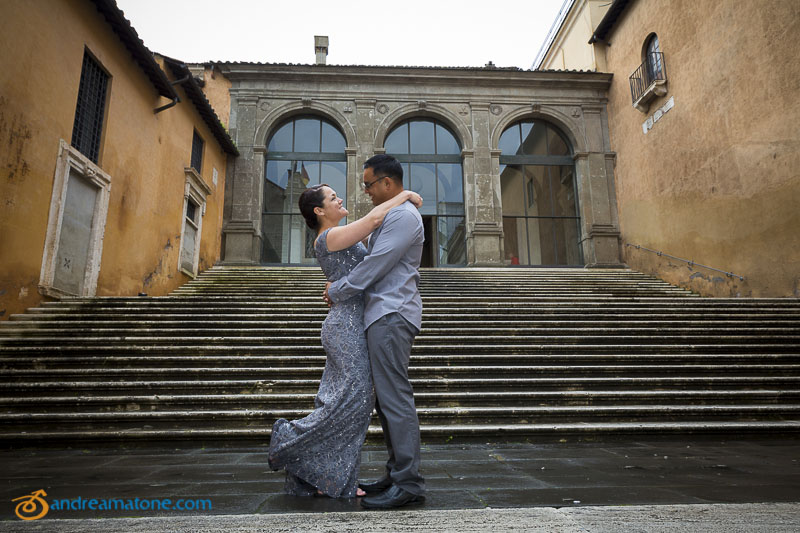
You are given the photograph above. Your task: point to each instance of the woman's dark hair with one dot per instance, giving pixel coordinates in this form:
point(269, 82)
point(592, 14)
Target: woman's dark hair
point(311, 198)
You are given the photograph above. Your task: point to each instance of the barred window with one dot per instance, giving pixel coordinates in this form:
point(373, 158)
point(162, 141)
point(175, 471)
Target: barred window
point(88, 126)
point(197, 152)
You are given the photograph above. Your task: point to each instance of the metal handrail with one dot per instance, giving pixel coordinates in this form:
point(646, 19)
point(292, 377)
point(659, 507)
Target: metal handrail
point(654, 68)
point(691, 263)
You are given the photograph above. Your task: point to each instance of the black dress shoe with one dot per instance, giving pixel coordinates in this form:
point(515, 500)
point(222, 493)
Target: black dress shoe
point(375, 487)
point(392, 497)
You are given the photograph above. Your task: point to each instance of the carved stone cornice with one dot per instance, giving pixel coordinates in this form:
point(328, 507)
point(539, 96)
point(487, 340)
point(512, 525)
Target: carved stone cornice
point(592, 108)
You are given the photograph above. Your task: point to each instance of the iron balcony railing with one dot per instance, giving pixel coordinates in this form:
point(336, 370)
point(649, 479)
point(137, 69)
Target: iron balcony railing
point(654, 68)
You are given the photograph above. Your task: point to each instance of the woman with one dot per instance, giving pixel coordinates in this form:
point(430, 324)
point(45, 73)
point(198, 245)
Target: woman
point(322, 452)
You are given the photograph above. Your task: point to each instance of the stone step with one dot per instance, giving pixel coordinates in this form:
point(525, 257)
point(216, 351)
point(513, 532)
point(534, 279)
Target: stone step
point(276, 333)
point(107, 403)
point(521, 310)
point(421, 372)
point(259, 349)
point(436, 384)
point(503, 354)
point(429, 433)
point(445, 292)
point(46, 325)
point(260, 418)
point(478, 362)
point(437, 343)
point(499, 299)
point(431, 319)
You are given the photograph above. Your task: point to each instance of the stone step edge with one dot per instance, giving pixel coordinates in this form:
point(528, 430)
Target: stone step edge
point(416, 382)
point(463, 395)
point(100, 301)
point(426, 361)
point(495, 430)
point(502, 412)
point(313, 337)
point(532, 369)
point(293, 332)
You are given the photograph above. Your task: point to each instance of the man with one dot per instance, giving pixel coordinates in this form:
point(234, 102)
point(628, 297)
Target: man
point(389, 279)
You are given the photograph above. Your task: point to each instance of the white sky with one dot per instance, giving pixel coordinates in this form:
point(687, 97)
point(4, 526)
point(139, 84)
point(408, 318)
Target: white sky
point(409, 32)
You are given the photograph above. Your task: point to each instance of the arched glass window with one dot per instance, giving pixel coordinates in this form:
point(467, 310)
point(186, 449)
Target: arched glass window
point(303, 152)
point(431, 159)
point(654, 60)
point(540, 207)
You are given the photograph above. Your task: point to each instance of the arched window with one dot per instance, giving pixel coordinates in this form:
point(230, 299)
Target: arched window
point(540, 206)
point(304, 151)
point(654, 60)
point(431, 159)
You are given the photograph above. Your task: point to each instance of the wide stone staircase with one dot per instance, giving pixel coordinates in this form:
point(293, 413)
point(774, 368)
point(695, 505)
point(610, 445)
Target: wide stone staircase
point(504, 355)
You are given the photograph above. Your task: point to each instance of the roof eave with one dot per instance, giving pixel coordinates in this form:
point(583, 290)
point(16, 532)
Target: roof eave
point(141, 55)
point(606, 26)
point(201, 103)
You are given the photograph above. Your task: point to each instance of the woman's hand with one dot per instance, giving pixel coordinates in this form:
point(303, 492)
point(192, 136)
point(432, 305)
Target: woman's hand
point(415, 199)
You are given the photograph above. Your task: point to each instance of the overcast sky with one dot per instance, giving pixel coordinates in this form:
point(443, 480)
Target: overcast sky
point(408, 32)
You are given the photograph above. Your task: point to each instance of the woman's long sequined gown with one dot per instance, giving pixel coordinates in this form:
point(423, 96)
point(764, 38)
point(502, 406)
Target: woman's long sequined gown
point(323, 450)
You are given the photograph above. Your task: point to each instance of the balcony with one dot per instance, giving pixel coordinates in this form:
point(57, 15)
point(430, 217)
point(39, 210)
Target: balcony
point(649, 81)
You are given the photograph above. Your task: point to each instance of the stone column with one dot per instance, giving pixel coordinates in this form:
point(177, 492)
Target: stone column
point(482, 194)
point(598, 203)
point(242, 232)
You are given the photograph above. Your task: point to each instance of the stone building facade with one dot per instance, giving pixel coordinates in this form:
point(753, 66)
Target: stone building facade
point(514, 166)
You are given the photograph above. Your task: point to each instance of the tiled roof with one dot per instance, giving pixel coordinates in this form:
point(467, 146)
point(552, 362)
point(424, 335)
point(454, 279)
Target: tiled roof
point(144, 58)
point(122, 27)
point(201, 103)
point(268, 64)
point(393, 67)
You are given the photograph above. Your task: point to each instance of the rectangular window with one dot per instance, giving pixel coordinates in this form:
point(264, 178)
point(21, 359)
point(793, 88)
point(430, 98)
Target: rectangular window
point(88, 126)
point(197, 152)
point(194, 207)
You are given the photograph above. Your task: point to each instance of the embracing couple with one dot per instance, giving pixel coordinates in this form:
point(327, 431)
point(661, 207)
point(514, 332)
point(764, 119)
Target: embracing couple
point(375, 313)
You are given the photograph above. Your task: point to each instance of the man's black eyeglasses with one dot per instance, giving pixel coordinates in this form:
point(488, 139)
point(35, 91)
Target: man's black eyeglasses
point(366, 186)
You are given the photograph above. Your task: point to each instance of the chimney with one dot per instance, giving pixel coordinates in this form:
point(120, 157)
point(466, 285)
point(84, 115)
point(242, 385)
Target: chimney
point(321, 48)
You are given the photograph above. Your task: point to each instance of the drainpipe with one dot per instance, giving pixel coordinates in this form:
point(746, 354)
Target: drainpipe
point(176, 99)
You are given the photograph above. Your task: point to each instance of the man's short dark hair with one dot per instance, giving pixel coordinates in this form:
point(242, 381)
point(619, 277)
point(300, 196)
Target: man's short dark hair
point(385, 165)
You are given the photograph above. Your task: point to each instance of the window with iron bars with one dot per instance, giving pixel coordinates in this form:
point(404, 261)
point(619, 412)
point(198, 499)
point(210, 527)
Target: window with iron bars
point(197, 152)
point(88, 126)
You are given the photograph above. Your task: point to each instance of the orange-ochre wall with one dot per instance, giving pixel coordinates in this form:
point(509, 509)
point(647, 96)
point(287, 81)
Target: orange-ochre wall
point(145, 154)
point(717, 178)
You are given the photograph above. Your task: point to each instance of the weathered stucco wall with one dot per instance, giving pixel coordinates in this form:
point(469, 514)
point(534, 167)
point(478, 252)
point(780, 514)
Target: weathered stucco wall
point(43, 45)
point(217, 89)
point(716, 179)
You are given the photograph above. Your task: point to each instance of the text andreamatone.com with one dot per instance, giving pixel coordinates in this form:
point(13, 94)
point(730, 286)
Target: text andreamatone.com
point(130, 504)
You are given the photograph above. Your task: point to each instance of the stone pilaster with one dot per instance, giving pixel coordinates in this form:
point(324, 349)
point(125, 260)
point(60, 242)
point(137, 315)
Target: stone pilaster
point(365, 134)
point(242, 231)
point(600, 237)
point(482, 194)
